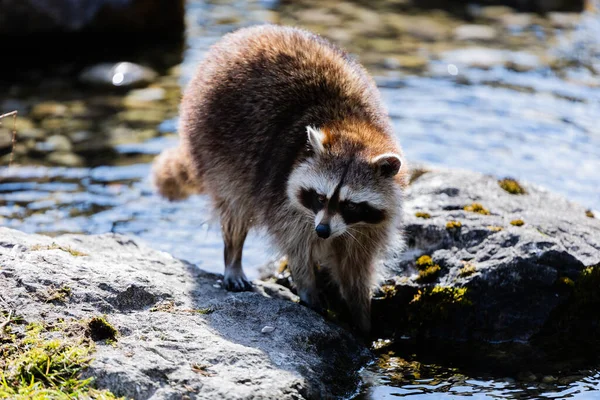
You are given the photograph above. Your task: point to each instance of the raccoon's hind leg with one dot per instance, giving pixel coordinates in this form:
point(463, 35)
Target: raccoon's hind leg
point(234, 234)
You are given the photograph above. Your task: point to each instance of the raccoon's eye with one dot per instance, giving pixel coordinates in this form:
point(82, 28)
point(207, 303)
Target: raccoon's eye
point(351, 206)
point(310, 199)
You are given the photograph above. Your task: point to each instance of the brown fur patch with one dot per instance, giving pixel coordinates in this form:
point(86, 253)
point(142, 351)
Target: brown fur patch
point(172, 176)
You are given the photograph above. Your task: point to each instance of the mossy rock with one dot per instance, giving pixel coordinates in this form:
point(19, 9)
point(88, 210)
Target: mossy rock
point(43, 361)
point(477, 208)
point(100, 329)
point(511, 186)
point(575, 325)
point(589, 214)
point(453, 225)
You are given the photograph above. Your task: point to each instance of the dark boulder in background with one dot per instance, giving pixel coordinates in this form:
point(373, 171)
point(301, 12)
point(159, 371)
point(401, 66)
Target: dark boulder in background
point(60, 37)
point(488, 266)
point(25, 17)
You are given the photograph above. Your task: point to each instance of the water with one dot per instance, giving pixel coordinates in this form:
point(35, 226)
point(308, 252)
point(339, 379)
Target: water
point(524, 115)
point(431, 381)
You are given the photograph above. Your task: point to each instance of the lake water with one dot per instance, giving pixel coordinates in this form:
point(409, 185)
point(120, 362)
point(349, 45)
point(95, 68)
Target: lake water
point(521, 99)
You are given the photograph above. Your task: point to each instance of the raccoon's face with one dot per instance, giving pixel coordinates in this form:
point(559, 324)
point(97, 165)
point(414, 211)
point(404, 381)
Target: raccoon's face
point(344, 189)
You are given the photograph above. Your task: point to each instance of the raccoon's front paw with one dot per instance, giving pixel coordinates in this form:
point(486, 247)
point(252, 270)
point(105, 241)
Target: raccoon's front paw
point(311, 301)
point(236, 281)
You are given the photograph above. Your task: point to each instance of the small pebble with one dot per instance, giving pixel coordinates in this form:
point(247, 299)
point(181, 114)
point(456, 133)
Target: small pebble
point(216, 285)
point(267, 329)
point(121, 74)
point(19, 248)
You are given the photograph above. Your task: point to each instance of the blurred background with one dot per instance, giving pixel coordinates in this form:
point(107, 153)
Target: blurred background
point(505, 87)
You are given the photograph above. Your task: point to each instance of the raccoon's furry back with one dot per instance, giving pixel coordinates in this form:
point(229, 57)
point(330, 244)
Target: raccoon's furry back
point(245, 111)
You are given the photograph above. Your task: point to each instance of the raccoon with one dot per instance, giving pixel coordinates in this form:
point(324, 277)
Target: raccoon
point(285, 131)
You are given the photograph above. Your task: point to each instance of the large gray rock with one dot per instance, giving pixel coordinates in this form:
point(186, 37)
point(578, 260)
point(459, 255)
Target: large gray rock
point(491, 280)
point(181, 333)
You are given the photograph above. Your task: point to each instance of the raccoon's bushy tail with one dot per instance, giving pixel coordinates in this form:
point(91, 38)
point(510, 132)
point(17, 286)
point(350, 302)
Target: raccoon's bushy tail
point(173, 177)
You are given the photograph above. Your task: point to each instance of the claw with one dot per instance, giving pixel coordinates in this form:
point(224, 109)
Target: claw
point(237, 282)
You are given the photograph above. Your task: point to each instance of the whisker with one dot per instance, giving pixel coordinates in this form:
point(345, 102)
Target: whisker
point(356, 240)
point(364, 235)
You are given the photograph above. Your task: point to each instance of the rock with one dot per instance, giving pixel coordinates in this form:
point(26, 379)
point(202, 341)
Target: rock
point(144, 98)
point(110, 16)
point(409, 62)
point(564, 20)
point(122, 74)
point(65, 124)
point(78, 137)
point(520, 268)
point(54, 143)
point(6, 138)
point(121, 135)
point(136, 116)
point(517, 21)
point(65, 159)
point(426, 29)
point(474, 32)
point(481, 57)
point(30, 133)
point(48, 109)
point(491, 13)
point(179, 336)
point(22, 123)
point(267, 329)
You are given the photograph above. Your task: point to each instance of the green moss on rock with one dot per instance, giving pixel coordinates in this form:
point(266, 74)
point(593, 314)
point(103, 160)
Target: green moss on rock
point(511, 186)
point(589, 214)
point(453, 225)
point(431, 306)
point(441, 295)
point(101, 329)
point(566, 281)
point(428, 270)
point(54, 246)
point(477, 208)
point(424, 261)
point(468, 269)
point(36, 364)
point(388, 291)
point(576, 321)
point(53, 294)
point(429, 274)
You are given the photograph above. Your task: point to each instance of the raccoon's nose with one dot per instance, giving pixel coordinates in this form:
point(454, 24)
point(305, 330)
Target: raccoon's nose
point(323, 231)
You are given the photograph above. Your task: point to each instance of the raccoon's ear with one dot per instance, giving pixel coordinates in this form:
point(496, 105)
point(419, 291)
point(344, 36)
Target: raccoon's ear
point(316, 139)
point(388, 164)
